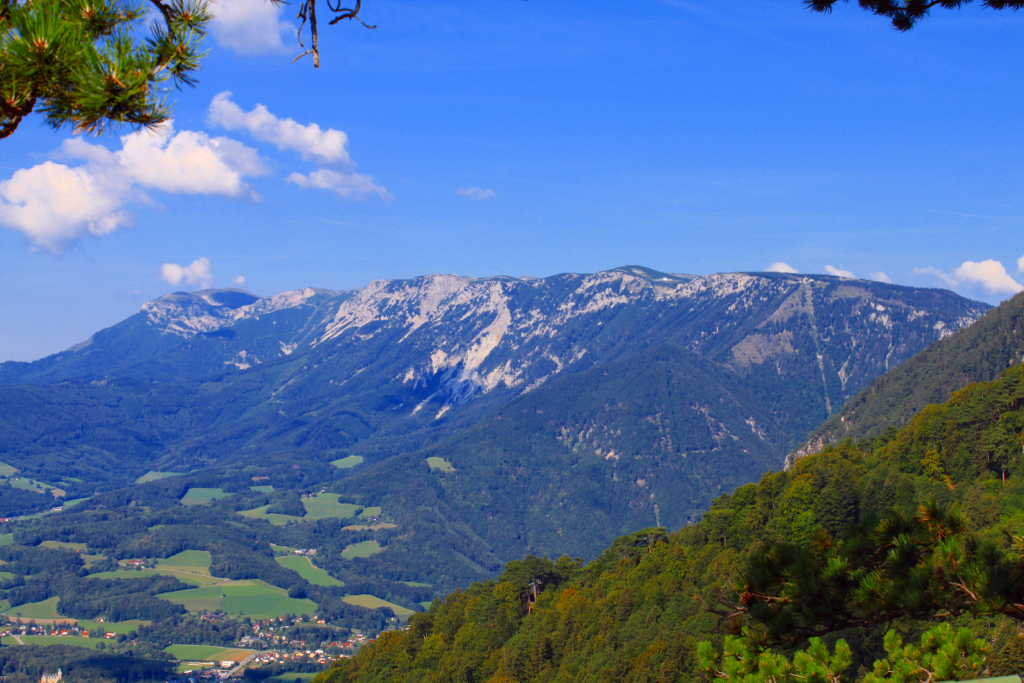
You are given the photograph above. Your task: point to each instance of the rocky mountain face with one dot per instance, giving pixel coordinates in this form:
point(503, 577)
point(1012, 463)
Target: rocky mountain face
point(568, 409)
point(472, 336)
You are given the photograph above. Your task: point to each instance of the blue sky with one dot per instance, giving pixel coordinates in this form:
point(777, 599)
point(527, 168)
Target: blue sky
point(531, 138)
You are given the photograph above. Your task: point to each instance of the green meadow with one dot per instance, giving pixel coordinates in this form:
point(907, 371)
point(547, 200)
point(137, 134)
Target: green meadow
point(201, 496)
point(252, 598)
point(60, 545)
point(194, 579)
point(6, 470)
point(373, 602)
point(45, 609)
point(56, 640)
point(305, 568)
point(206, 653)
point(363, 549)
point(348, 463)
point(321, 506)
point(439, 464)
point(154, 476)
point(262, 489)
point(6, 539)
point(191, 561)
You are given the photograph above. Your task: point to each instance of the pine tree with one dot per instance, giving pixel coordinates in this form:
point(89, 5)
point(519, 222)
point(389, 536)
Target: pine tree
point(80, 64)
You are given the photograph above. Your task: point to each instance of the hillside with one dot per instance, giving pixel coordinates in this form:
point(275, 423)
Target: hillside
point(978, 353)
point(210, 378)
point(639, 611)
point(412, 437)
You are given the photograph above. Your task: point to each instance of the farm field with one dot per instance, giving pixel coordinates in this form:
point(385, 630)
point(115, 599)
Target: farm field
point(206, 653)
point(348, 463)
point(55, 640)
point(251, 598)
point(7, 470)
point(441, 464)
point(194, 579)
point(154, 476)
point(45, 609)
point(321, 506)
point(192, 561)
point(373, 602)
point(291, 678)
point(60, 545)
point(201, 496)
point(6, 539)
point(362, 549)
point(306, 569)
point(262, 489)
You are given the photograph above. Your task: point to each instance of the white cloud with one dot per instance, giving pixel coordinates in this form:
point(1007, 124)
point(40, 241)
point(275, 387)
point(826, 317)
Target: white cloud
point(881, 277)
point(349, 185)
point(250, 26)
point(780, 267)
point(198, 273)
point(989, 275)
point(935, 272)
point(839, 272)
point(475, 194)
point(55, 205)
point(327, 146)
point(238, 281)
point(1020, 265)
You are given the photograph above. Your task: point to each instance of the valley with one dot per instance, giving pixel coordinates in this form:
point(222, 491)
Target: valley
point(354, 456)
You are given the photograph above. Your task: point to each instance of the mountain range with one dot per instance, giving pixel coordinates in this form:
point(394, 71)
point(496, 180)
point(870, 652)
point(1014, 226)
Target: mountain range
point(565, 410)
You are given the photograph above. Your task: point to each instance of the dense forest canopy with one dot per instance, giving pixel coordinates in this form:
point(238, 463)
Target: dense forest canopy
point(863, 539)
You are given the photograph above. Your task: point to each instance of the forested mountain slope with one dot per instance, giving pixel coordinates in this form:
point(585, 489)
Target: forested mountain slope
point(199, 380)
point(638, 612)
point(976, 354)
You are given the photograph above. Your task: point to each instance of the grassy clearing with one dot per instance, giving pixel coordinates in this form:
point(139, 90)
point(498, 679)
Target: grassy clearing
point(55, 640)
point(113, 626)
point(6, 539)
point(291, 678)
point(262, 489)
point(321, 506)
point(373, 602)
point(6, 470)
point(46, 609)
point(90, 560)
point(206, 653)
point(348, 463)
point(242, 598)
point(363, 549)
point(194, 579)
point(282, 549)
point(370, 512)
point(440, 464)
point(154, 476)
point(191, 561)
point(61, 545)
point(369, 527)
point(327, 505)
point(304, 566)
point(202, 496)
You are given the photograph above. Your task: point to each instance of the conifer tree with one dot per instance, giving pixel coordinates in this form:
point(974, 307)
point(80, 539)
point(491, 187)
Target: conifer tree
point(80, 64)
